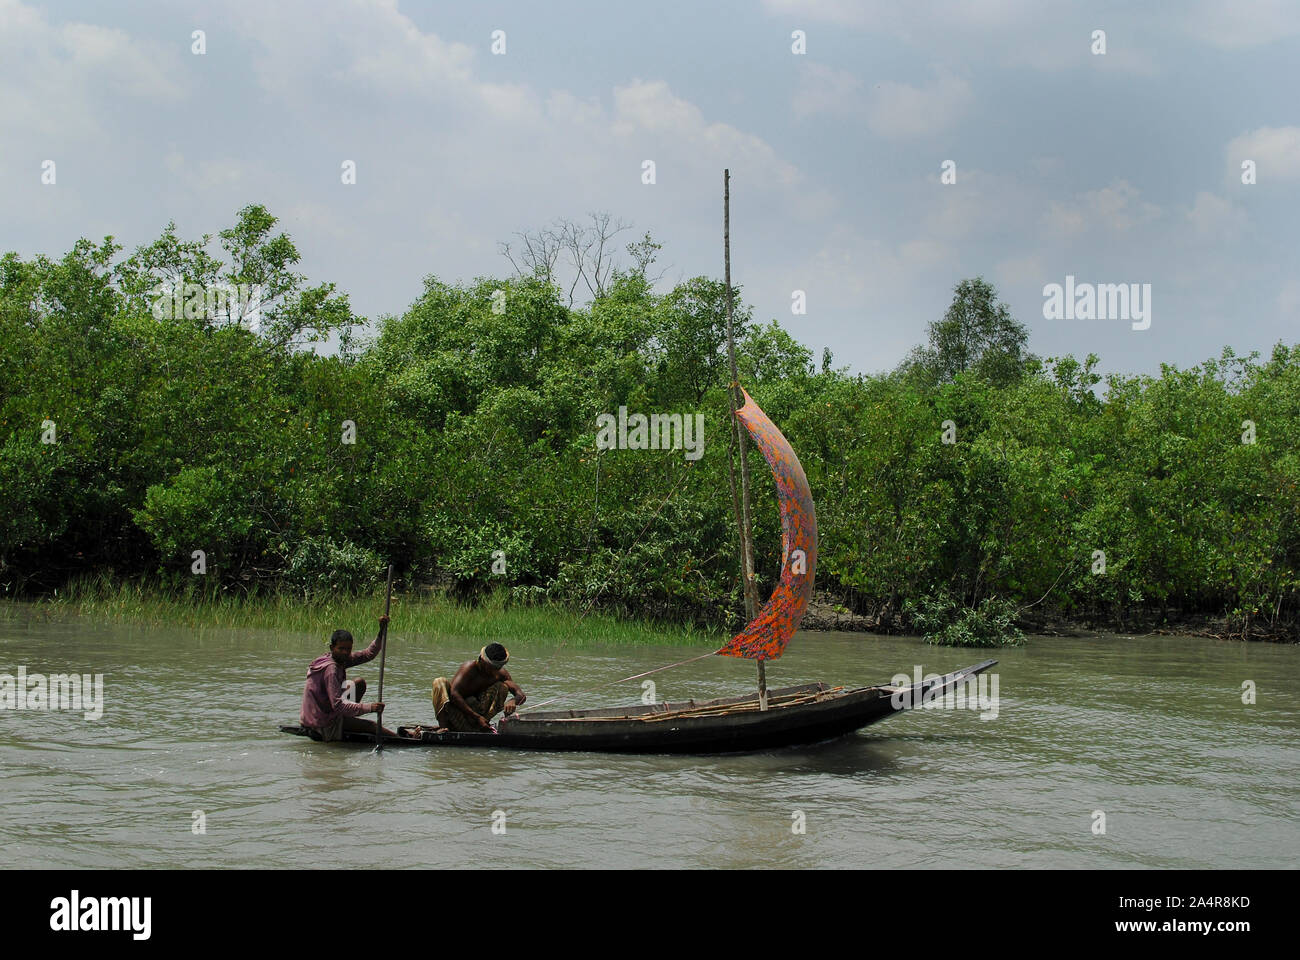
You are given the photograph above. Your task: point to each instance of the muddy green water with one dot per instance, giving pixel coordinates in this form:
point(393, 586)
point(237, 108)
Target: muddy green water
point(1150, 731)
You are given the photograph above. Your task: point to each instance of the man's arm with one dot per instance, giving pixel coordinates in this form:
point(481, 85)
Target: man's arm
point(372, 651)
point(334, 686)
point(516, 691)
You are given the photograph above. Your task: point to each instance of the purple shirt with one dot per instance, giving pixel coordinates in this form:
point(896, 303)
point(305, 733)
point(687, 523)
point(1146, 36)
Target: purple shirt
point(322, 698)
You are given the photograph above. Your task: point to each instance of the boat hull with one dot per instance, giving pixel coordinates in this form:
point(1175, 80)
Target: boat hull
point(805, 714)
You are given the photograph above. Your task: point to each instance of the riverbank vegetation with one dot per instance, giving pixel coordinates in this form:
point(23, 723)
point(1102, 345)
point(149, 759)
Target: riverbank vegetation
point(166, 448)
point(425, 616)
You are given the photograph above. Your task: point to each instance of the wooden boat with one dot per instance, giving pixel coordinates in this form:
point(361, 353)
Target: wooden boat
point(804, 714)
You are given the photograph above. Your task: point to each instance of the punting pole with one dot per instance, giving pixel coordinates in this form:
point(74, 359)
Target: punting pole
point(733, 393)
point(383, 653)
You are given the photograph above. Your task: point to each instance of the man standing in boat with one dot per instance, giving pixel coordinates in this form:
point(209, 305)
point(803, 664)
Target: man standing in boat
point(331, 703)
point(479, 690)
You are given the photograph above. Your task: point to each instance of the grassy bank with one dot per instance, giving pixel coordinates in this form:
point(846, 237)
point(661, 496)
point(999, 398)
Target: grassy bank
point(429, 617)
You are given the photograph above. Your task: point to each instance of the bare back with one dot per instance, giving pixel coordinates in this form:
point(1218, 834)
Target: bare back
point(474, 677)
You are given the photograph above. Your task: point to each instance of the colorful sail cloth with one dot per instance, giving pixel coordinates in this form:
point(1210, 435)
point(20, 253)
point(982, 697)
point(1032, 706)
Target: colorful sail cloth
point(767, 634)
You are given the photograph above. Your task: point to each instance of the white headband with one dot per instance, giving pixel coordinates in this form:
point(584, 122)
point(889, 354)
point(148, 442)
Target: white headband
point(496, 663)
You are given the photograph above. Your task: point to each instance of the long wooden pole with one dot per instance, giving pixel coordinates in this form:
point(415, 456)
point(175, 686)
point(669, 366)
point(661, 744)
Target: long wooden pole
point(383, 654)
point(743, 519)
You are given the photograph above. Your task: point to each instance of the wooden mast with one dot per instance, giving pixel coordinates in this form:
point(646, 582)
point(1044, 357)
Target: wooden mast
point(739, 438)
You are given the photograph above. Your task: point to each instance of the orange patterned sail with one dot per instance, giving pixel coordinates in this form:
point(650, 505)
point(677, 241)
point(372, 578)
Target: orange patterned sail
point(767, 634)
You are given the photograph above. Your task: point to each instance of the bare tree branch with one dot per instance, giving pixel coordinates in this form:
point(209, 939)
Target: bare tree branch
point(590, 251)
point(537, 255)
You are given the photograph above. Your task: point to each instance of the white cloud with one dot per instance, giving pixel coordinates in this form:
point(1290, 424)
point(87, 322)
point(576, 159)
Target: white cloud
point(375, 45)
point(1243, 23)
point(1216, 217)
point(886, 14)
point(1052, 37)
point(843, 12)
point(410, 61)
point(565, 108)
point(1275, 150)
point(1116, 208)
point(901, 111)
point(58, 80)
point(891, 109)
point(372, 47)
point(866, 267)
point(309, 218)
point(204, 174)
point(1045, 37)
point(651, 107)
point(681, 128)
point(979, 203)
point(882, 291)
point(1020, 271)
point(824, 89)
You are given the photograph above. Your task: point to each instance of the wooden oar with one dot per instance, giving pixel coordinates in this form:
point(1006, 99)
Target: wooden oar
point(383, 652)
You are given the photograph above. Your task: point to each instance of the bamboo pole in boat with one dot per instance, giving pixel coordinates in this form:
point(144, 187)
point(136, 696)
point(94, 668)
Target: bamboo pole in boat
point(736, 708)
point(702, 710)
point(383, 655)
point(743, 519)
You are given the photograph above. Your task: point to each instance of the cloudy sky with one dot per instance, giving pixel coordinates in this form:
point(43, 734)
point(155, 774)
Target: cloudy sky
point(1122, 167)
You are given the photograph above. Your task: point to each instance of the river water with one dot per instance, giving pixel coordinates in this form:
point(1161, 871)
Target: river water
point(1150, 732)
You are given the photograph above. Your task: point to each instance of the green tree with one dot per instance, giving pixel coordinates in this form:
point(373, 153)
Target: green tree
point(977, 334)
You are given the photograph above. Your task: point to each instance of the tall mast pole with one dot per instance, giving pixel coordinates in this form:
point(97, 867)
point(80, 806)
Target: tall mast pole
point(739, 437)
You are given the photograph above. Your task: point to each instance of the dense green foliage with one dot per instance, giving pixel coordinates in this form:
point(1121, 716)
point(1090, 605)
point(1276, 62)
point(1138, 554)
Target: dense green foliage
point(475, 465)
point(943, 619)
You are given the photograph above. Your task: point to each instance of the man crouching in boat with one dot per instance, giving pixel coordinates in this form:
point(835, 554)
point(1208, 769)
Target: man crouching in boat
point(468, 702)
point(331, 703)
